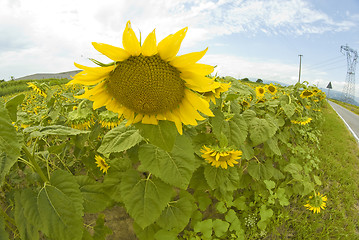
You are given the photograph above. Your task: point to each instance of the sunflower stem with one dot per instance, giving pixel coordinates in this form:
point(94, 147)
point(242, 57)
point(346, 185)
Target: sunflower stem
point(36, 166)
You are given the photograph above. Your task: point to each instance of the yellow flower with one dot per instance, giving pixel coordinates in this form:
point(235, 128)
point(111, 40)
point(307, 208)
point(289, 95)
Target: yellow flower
point(306, 94)
point(216, 93)
point(148, 82)
point(260, 92)
point(37, 89)
point(271, 89)
point(102, 164)
point(302, 121)
point(316, 202)
point(245, 104)
point(220, 158)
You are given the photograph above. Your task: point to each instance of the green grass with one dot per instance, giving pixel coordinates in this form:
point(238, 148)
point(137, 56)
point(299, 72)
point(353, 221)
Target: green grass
point(339, 173)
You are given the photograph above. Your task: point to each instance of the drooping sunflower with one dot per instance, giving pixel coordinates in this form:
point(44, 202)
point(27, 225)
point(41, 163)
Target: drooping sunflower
point(37, 89)
point(102, 164)
point(216, 92)
point(109, 119)
point(260, 91)
point(316, 202)
point(221, 158)
point(272, 89)
point(147, 83)
point(306, 94)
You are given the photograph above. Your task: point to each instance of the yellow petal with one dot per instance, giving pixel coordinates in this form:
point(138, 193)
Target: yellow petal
point(100, 99)
point(197, 68)
point(198, 103)
point(130, 41)
point(150, 119)
point(169, 46)
point(149, 47)
point(114, 53)
point(174, 118)
point(93, 91)
point(198, 82)
point(91, 80)
point(101, 71)
point(187, 59)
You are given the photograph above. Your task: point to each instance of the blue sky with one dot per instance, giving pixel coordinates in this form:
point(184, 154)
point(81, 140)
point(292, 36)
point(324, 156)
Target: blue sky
point(246, 38)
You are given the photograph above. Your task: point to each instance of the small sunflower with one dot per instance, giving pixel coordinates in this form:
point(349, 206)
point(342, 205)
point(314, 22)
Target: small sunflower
point(245, 104)
point(216, 93)
point(272, 89)
point(316, 202)
point(102, 164)
point(80, 118)
point(306, 94)
point(147, 83)
point(37, 89)
point(221, 158)
point(302, 121)
point(109, 119)
point(260, 91)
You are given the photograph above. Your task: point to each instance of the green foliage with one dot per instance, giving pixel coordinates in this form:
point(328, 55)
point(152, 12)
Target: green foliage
point(49, 156)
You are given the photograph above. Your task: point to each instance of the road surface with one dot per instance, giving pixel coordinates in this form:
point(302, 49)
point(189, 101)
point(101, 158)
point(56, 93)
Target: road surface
point(350, 119)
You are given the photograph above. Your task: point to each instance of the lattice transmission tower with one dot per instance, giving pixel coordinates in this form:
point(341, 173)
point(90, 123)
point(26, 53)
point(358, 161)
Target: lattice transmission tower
point(349, 87)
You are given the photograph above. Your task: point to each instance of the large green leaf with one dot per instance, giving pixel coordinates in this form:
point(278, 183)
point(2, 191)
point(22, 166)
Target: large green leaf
point(175, 168)
point(59, 130)
point(289, 109)
point(238, 130)
point(95, 198)
point(259, 171)
point(12, 104)
point(162, 135)
point(3, 234)
point(60, 207)
point(27, 216)
point(224, 179)
point(259, 131)
point(10, 143)
point(144, 199)
point(176, 215)
point(119, 139)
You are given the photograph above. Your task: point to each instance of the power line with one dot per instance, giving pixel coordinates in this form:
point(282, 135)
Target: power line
point(325, 64)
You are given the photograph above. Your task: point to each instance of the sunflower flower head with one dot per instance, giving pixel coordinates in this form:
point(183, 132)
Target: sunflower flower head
point(37, 88)
point(302, 120)
point(306, 94)
point(271, 89)
point(245, 104)
point(216, 92)
point(101, 163)
point(80, 118)
point(221, 157)
point(316, 202)
point(147, 82)
point(260, 91)
point(109, 119)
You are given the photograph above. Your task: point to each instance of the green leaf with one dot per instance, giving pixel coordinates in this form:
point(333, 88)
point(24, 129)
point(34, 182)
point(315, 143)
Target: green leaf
point(272, 124)
point(232, 218)
point(240, 203)
point(177, 214)
point(217, 122)
point(58, 214)
point(221, 207)
point(270, 185)
point(205, 227)
point(259, 171)
point(67, 184)
point(59, 130)
point(162, 135)
point(147, 233)
point(220, 227)
point(225, 179)
point(283, 200)
point(317, 180)
point(95, 198)
point(289, 109)
point(3, 234)
point(272, 143)
point(10, 143)
point(248, 115)
point(238, 130)
point(265, 214)
point(27, 217)
point(12, 104)
point(144, 199)
point(101, 231)
point(293, 168)
point(175, 168)
point(119, 139)
point(259, 131)
point(163, 234)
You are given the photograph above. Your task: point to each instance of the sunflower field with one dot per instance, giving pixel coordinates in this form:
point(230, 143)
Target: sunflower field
point(214, 158)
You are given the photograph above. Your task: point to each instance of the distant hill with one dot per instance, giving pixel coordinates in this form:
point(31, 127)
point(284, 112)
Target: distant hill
point(61, 75)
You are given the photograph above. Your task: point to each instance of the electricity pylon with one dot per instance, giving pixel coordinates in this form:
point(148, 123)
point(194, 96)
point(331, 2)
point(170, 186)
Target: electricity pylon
point(349, 87)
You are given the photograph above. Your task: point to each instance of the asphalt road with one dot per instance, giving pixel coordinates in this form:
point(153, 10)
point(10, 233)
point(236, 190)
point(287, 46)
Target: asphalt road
point(350, 119)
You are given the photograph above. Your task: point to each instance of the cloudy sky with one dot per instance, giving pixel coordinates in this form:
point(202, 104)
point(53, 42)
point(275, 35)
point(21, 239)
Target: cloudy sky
point(246, 38)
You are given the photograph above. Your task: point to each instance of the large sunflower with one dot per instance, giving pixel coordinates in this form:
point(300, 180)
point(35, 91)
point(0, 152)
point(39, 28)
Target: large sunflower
point(149, 83)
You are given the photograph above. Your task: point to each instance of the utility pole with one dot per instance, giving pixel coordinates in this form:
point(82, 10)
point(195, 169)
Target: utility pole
point(300, 66)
